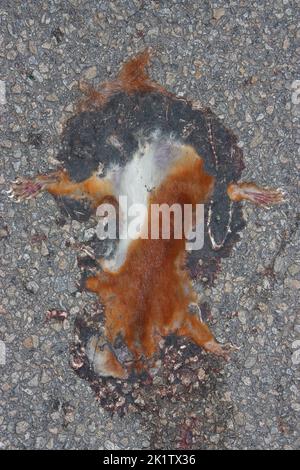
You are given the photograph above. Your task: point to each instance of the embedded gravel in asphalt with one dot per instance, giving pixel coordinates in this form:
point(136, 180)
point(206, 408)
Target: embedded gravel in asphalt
point(240, 59)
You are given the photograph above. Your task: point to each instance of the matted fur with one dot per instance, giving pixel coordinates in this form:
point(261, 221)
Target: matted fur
point(189, 157)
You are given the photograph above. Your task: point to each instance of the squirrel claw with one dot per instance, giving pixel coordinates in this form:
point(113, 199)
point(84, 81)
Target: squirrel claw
point(221, 350)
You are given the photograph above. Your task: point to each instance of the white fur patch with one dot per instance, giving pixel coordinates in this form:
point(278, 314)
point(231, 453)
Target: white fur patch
point(144, 172)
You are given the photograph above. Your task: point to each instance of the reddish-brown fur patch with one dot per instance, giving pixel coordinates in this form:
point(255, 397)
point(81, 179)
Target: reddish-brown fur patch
point(149, 296)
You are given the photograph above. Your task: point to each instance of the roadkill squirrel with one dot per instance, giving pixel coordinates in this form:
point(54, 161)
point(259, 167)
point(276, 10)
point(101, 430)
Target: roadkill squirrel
point(153, 148)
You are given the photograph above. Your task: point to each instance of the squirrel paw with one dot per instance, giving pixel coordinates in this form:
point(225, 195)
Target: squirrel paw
point(266, 196)
point(22, 189)
point(253, 193)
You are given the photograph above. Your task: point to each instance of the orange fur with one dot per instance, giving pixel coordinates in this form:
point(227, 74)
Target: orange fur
point(93, 188)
